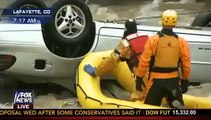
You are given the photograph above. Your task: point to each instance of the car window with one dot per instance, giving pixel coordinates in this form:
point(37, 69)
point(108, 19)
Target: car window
point(109, 37)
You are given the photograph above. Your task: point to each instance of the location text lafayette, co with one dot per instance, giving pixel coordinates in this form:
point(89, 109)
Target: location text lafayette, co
point(31, 12)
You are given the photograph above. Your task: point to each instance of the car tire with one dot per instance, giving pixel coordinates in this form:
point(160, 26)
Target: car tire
point(202, 20)
point(20, 4)
point(77, 27)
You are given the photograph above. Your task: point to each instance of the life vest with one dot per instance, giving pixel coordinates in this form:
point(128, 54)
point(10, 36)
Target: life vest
point(137, 42)
point(166, 56)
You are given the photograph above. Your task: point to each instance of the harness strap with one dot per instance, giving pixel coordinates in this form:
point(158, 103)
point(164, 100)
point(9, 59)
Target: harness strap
point(164, 70)
point(116, 51)
point(121, 58)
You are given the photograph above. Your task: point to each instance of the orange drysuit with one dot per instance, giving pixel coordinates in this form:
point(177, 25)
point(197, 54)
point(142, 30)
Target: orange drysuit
point(153, 47)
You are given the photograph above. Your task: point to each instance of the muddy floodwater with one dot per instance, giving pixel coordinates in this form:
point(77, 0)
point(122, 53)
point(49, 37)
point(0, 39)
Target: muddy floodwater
point(122, 9)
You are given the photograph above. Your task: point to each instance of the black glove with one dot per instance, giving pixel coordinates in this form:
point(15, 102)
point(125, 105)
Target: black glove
point(184, 85)
point(139, 83)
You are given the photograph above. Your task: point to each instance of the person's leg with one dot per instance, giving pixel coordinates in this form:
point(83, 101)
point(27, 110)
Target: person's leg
point(174, 93)
point(107, 64)
point(140, 95)
point(155, 94)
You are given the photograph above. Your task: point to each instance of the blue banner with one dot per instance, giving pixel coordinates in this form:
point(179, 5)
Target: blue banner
point(27, 16)
point(27, 20)
point(27, 12)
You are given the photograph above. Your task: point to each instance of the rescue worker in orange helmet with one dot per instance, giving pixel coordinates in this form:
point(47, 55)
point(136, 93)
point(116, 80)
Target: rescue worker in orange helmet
point(129, 50)
point(163, 53)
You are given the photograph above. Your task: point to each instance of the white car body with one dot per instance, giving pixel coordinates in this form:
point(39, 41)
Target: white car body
point(25, 41)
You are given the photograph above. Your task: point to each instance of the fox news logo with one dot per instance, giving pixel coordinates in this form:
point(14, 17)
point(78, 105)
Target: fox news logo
point(23, 99)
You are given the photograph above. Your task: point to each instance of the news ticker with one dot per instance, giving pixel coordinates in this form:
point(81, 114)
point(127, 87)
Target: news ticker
point(26, 16)
point(104, 112)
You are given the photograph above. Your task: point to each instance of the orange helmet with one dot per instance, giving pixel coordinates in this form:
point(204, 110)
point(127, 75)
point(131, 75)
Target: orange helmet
point(169, 18)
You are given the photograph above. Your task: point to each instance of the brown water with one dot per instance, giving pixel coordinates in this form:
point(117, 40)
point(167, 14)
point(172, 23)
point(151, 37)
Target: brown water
point(121, 9)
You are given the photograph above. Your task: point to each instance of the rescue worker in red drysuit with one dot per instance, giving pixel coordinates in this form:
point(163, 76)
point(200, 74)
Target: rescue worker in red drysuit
point(163, 53)
point(129, 50)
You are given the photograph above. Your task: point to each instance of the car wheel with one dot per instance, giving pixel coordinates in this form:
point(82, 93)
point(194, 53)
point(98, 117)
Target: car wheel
point(71, 22)
point(202, 20)
point(27, 4)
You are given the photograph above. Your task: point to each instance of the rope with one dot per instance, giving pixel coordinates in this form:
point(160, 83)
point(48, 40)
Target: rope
point(152, 17)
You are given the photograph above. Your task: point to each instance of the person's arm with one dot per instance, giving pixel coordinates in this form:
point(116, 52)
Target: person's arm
point(122, 51)
point(144, 62)
point(145, 58)
point(185, 64)
point(185, 59)
point(110, 62)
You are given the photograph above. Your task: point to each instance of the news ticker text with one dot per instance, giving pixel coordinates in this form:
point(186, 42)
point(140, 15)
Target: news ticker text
point(105, 112)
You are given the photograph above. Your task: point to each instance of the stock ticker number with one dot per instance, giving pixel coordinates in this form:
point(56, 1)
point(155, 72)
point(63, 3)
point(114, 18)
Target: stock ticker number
point(184, 112)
